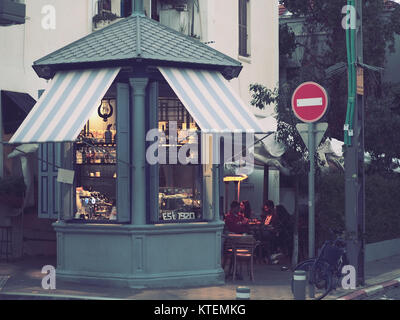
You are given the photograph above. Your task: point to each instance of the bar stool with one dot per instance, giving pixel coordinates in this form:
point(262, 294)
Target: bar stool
point(5, 242)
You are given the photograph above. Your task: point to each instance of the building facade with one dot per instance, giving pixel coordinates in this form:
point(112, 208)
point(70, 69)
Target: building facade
point(128, 250)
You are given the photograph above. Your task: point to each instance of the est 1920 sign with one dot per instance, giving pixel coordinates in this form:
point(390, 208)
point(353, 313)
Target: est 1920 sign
point(309, 102)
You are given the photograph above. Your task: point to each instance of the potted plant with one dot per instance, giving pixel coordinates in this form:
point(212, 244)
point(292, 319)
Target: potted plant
point(179, 5)
point(104, 18)
point(12, 191)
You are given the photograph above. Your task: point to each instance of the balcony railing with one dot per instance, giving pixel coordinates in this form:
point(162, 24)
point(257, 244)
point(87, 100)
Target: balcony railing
point(12, 12)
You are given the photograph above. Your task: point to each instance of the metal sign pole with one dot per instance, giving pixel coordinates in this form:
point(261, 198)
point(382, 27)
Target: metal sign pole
point(311, 191)
point(312, 134)
point(309, 104)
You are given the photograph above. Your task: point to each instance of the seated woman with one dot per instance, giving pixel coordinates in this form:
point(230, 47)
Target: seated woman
point(245, 209)
point(270, 231)
point(268, 216)
point(285, 230)
point(234, 221)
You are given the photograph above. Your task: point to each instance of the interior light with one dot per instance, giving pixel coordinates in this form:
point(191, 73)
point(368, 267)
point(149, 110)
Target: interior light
point(105, 110)
point(235, 178)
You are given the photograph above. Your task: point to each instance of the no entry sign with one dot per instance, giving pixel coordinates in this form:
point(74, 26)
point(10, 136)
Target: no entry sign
point(309, 102)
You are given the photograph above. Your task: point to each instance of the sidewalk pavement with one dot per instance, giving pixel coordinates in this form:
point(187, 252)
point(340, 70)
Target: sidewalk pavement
point(22, 280)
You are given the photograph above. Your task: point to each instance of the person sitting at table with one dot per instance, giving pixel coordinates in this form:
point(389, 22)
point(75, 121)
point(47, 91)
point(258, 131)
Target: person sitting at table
point(234, 221)
point(268, 216)
point(245, 209)
point(285, 230)
point(270, 231)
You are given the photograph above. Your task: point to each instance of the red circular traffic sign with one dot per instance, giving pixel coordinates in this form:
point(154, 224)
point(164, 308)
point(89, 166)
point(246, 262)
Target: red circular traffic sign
point(309, 102)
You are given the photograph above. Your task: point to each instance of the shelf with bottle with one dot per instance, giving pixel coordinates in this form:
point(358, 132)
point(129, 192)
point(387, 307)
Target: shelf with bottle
point(96, 172)
point(95, 176)
point(95, 143)
point(95, 155)
point(98, 137)
point(94, 205)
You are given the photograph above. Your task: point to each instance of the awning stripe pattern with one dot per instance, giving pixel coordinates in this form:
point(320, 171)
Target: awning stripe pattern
point(210, 100)
point(62, 111)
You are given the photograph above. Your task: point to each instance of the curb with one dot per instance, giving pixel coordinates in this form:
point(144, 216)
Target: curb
point(369, 291)
point(41, 296)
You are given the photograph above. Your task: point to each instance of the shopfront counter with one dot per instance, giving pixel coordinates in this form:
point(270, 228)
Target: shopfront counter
point(140, 256)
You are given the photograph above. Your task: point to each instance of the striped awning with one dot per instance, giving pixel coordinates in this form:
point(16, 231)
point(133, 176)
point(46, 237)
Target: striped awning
point(63, 109)
point(210, 100)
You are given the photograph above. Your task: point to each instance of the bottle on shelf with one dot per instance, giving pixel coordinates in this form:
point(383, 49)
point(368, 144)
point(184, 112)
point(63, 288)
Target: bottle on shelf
point(88, 155)
point(78, 157)
point(108, 135)
point(113, 156)
point(84, 159)
point(92, 155)
point(97, 156)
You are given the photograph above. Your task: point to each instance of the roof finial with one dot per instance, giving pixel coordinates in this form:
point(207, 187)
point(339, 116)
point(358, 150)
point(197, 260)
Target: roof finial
point(137, 7)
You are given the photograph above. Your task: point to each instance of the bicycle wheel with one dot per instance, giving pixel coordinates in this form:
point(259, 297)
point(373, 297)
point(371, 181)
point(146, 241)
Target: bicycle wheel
point(318, 275)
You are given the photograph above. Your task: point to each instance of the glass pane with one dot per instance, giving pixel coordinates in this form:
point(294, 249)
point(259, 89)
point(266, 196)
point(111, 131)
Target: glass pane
point(180, 192)
point(95, 161)
point(104, 5)
point(243, 49)
point(180, 185)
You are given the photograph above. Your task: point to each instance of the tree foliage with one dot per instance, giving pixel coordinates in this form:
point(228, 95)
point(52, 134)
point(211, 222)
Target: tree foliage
point(325, 46)
point(287, 41)
point(381, 206)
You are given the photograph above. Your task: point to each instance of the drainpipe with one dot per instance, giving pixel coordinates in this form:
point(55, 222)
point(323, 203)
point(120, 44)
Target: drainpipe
point(352, 80)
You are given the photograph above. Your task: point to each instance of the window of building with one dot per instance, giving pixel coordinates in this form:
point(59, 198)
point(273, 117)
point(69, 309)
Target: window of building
point(180, 192)
point(244, 18)
point(149, 6)
point(103, 5)
point(126, 8)
point(95, 165)
point(180, 185)
point(155, 15)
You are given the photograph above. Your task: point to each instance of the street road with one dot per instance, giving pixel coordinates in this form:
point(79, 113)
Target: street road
point(391, 294)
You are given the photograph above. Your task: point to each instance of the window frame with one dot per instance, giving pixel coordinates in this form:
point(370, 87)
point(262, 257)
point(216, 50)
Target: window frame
point(126, 8)
point(200, 167)
point(101, 4)
point(244, 28)
point(117, 86)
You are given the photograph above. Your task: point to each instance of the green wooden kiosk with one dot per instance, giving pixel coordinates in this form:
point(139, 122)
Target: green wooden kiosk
point(125, 221)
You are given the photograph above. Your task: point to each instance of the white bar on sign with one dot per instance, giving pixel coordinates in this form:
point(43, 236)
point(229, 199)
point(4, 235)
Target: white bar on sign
point(311, 102)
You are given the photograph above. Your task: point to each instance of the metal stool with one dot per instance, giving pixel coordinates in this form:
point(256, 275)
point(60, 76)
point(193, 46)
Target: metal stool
point(6, 242)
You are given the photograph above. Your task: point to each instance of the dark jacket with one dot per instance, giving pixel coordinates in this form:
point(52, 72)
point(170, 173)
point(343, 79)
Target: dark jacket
point(273, 222)
point(236, 223)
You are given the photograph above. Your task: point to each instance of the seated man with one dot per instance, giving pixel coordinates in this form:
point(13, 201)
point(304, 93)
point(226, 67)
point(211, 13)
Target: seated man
point(234, 221)
point(270, 232)
point(285, 230)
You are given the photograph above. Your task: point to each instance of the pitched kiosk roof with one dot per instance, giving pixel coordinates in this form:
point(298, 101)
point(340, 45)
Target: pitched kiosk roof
point(136, 39)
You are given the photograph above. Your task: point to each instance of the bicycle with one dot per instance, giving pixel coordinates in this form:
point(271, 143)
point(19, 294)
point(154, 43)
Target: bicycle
point(325, 271)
